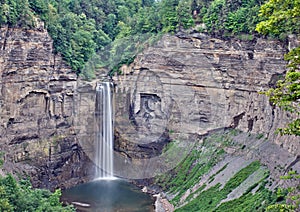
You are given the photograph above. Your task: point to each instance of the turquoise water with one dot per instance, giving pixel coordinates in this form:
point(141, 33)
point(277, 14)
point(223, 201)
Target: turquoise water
point(108, 196)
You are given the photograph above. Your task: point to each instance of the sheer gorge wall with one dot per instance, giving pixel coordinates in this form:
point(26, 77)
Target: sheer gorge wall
point(36, 109)
point(191, 85)
point(177, 90)
point(196, 83)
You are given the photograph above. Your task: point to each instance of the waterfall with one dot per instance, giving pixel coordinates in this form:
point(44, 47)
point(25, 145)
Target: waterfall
point(104, 131)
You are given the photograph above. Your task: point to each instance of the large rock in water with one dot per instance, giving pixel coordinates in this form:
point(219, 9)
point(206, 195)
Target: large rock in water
point(189, 85)
point(36, 110)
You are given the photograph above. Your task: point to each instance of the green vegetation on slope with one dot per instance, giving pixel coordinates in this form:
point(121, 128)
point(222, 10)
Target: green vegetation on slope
point(199, 162)
point(291, 195)
point(210, 199)
point(19, 196)
point(249, 201)
point(189, 171)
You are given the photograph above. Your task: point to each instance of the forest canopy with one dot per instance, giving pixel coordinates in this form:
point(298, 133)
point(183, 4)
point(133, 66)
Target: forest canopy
point(81, 28)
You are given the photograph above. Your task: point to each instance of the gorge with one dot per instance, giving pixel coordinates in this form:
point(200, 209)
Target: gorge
point(174, 95)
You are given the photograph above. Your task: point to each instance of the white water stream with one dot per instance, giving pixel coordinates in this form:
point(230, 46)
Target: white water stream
point(104, 137)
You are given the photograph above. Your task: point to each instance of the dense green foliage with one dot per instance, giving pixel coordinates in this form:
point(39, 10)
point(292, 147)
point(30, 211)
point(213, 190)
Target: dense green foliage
point(229, 17)
point(281, 17)
point(19, 196)
point(16, 12)
point(81, 29)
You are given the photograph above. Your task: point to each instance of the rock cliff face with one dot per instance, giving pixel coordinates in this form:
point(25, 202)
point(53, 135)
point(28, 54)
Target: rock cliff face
point(189, 85)
point(174, 92)
point(36, 109)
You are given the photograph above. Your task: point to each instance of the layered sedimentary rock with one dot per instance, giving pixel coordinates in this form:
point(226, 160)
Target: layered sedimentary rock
point(174, 92)
point(188, 85)
point(36, 109)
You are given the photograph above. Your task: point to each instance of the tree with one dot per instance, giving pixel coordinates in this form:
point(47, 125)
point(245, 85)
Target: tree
point(4, 11)
point(4, 202)
point(169, 16)
point(292, 194)
point(282, 17)
point(214, 15)
point(184, 13)
point(242, 16)
point(9, 13)
point(111, 26)
point(148, 3)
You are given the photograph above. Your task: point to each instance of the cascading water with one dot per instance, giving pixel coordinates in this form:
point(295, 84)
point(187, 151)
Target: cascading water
point(104, 131)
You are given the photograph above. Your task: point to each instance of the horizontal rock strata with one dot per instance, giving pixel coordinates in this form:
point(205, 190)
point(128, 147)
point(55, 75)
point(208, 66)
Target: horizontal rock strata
point(36, 109)
point(189, 85)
